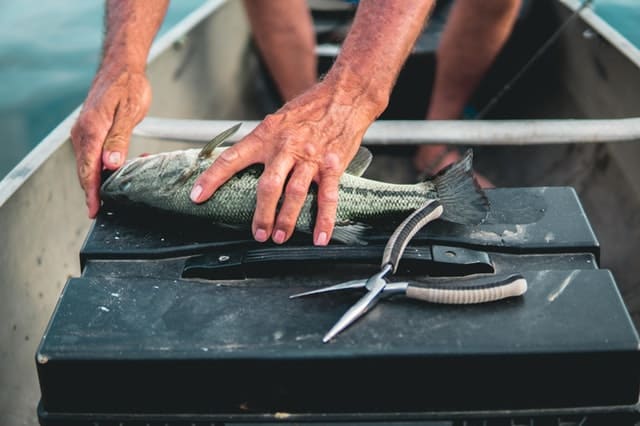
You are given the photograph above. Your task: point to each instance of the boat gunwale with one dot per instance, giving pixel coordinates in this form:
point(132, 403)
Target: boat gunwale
point(35, 158)
point(602, 27)
point(60, 134)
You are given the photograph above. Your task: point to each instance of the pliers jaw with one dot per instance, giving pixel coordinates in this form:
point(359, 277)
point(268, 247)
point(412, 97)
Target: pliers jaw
point(377, 288)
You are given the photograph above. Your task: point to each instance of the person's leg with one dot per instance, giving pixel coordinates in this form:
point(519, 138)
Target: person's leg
point(283, 31)
point(476, 30)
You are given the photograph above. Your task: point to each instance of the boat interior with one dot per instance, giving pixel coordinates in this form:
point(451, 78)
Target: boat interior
point(207, 68)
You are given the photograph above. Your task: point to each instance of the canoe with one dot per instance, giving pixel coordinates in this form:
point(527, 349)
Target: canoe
point(206, 69)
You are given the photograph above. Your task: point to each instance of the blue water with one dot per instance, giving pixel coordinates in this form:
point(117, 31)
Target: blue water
point(623, 15)
point(49, 52)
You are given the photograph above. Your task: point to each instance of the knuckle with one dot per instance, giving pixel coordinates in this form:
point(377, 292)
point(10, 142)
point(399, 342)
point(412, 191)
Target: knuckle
point(309, 150)
point(297, 190)
point(85, 173)
point(286, 221)
point(328, 196)
point(85, 121)
point(88, 136)
point(227, 157)
point(271, 121)
point(331, 164)
point(116, 140)
point(82, 129)
point(270, 183)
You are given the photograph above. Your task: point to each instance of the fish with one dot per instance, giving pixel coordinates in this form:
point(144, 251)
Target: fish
point(163, 181)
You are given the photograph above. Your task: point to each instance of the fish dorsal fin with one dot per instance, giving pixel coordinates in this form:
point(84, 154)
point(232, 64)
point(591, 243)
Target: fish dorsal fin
point(360, 162)
point(215, 142)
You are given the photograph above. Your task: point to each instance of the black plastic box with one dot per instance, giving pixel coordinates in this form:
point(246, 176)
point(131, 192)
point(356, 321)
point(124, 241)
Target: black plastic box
point(134, 341)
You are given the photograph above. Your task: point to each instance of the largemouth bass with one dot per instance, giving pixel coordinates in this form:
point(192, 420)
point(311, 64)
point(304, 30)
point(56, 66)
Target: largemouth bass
point(164, 181)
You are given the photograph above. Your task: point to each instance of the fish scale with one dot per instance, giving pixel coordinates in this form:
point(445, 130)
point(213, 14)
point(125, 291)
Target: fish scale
point(360, 198)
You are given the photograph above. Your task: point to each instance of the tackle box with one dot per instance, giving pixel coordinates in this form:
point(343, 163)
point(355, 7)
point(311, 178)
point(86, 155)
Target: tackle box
point(179, 322)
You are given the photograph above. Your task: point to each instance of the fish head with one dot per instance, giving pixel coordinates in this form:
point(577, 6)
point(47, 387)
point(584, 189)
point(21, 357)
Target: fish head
point(152, 175)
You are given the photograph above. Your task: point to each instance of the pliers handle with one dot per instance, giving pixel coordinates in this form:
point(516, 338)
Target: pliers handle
point(464, 291)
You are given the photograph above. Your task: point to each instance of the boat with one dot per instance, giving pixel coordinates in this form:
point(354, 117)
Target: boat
point(582, 89)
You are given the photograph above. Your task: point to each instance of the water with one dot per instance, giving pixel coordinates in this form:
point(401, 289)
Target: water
point(49, 51)
point(623, 15)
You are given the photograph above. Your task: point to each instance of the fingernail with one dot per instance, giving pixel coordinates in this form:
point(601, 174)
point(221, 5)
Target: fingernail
point(321, 239)
point(261, 235)
point(195, 193)
point(278, 237)
point(114, 158)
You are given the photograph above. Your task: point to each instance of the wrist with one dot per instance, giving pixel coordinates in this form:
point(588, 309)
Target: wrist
point(350, 87)
point(111, 71)
point(123, 60)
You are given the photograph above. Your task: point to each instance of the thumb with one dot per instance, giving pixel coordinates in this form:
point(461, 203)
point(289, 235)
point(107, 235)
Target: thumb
point(116, 144)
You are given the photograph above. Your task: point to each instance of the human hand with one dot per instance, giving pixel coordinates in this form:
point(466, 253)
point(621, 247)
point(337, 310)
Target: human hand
point(310, 139)
point(119, 99)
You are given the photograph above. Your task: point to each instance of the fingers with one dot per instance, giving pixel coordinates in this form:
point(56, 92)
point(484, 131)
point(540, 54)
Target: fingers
point(92, 192)
point(268, 194)
point(327, 200)
point(294, 197)
point(310, 138)
point(230, 162)
point(86, 136)
point(126, 116)
point(116, 102)
point(116, 144)
point(89, 174)
point(270, 219)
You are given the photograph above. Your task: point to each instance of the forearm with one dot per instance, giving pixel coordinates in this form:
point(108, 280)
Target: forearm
point(283, 31)
point(382, 36)
point(131, 26)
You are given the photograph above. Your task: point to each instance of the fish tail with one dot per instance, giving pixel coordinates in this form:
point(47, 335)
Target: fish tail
point(463, 199)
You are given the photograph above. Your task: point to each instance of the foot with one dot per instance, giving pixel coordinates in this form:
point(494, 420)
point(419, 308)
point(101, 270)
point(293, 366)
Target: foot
point(430, 159)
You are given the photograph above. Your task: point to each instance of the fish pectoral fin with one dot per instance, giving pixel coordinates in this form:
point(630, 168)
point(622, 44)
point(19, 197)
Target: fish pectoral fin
point(351, 233)
point(216, 141)
point(360, 162)
point(183, 178)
